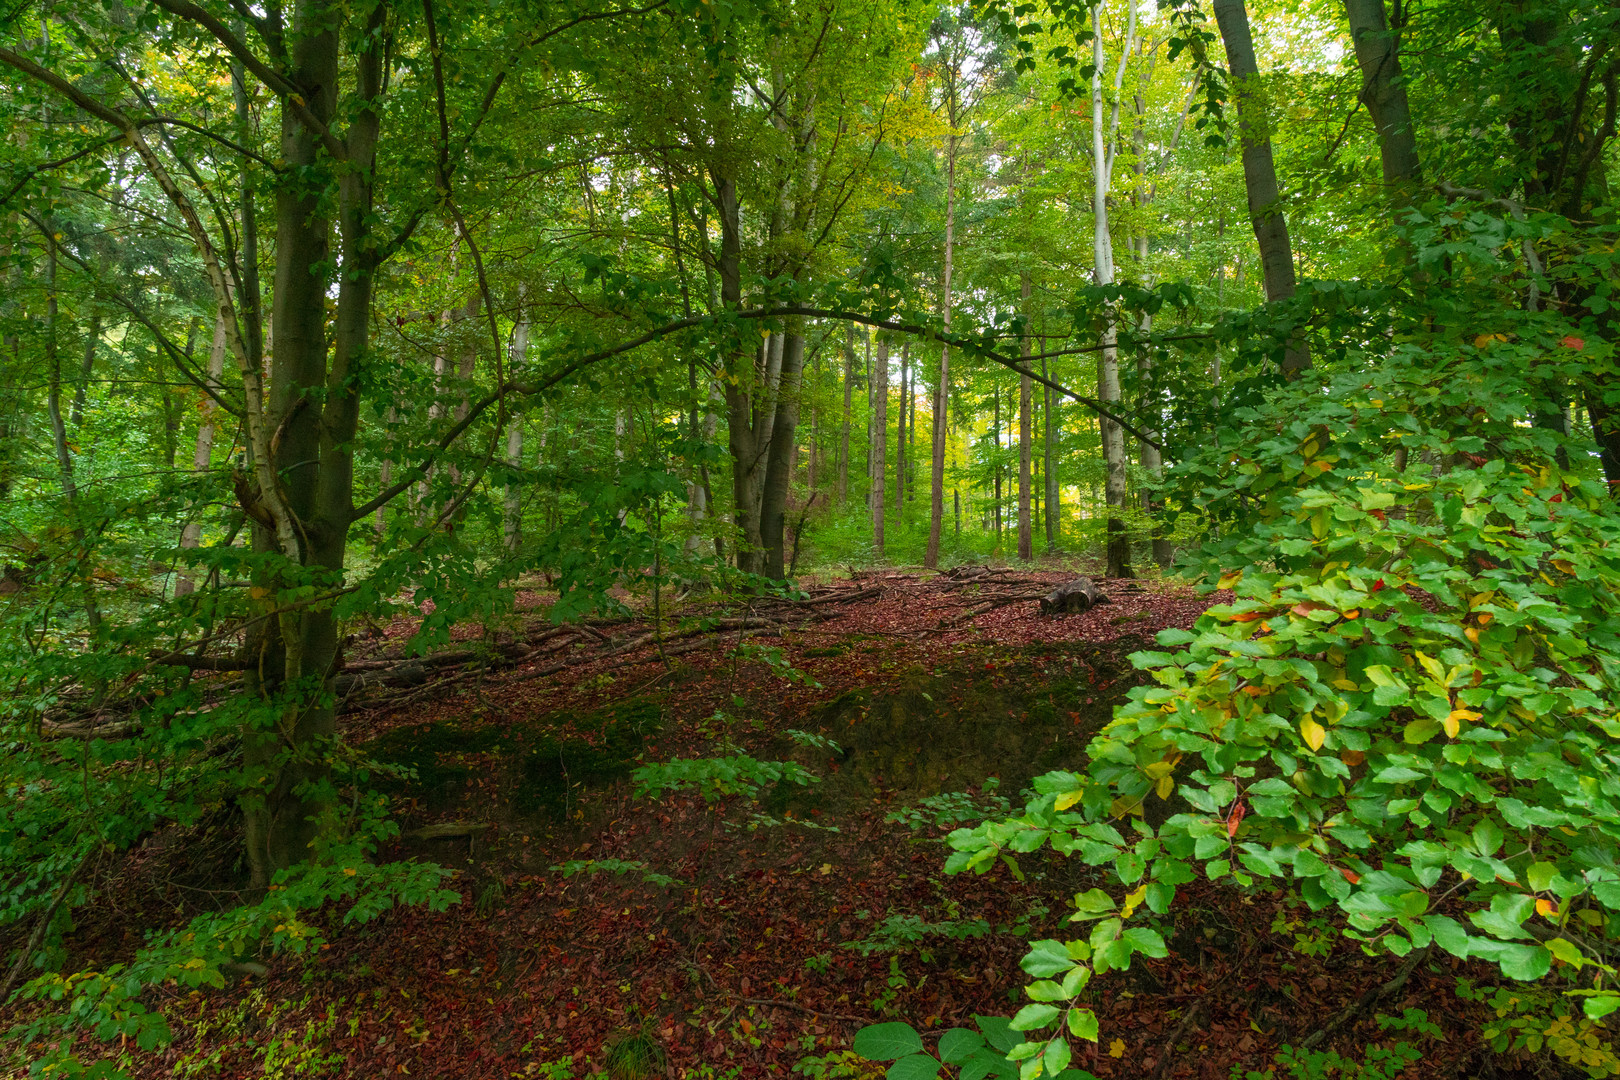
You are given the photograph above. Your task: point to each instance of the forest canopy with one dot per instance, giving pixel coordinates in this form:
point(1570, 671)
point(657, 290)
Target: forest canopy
point(318, 318)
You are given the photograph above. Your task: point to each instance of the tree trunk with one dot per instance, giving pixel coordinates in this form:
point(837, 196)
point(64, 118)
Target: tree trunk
point(942, 391)
point(1383, 91)
point(1259, 170)
point(1026, 387)
point(512, 518)
point(779, 464)
point(900, 433)
point(203, 457)
point(879, 383)
point(1053, 515)
point(843, 432)
point(1108, 389)
point(287, 761)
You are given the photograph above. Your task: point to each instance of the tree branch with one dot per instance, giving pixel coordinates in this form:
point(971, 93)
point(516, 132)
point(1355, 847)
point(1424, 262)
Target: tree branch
point(295, 96)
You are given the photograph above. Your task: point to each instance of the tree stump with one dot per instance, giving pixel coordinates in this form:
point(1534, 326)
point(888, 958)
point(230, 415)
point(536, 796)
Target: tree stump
point(1073, 597)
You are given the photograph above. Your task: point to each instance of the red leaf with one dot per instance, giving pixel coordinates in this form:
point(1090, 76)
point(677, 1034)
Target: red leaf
point(1235, 819)
point(1573, 342)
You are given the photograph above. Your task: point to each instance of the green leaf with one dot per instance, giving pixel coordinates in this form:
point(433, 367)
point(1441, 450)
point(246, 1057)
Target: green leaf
point(915, 1067)
point(1046, 958)
point(998, 1032)
point(1093, 903)
point(1083, 1024)
point(1034, 1017)
point(887, 1042)
point(1057, 1056)
point(1146, 941)
point(1527, 963)
point(959, 1044)
point(1448, 934)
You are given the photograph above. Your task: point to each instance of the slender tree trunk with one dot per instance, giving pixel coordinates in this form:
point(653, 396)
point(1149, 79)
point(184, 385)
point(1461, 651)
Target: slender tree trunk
point(900, 433)
point(843, 431)
point(1259, 170)
point(879, 382)
point(1026, 388)
point(1108, 388)
point(942, 391)
point(203, 457)
point(1054, 519)
point(86, 369)
point(512, 518)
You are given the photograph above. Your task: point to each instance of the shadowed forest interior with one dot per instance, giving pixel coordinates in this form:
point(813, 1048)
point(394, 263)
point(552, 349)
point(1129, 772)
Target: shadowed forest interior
point(717, 539)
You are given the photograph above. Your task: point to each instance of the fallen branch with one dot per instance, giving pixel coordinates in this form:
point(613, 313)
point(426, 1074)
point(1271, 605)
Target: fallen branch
point(1363, 1003)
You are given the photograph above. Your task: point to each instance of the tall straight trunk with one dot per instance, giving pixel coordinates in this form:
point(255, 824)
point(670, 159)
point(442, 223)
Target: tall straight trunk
point(1259, 170)
point(1054, 519)
point(843, 431)
point(779, 465)
point(879, 383)
point(942, 391)
point(1150, 456)
point(203, 456)
point(1108, 387)
point(815, 428)
point(1026, 389)
point(1383, 91)
point(900, 432)
point(995, 435)
point(512, 518)
point(911, 429)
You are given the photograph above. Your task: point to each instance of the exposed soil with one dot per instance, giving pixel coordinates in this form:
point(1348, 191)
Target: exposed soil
point(749, 936)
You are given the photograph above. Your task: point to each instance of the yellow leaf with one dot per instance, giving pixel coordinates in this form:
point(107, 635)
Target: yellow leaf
point(1564, 566)
point(1132, 900)
point(1165, 786)
point(1312, 732)
point(1545, 907)
point(1345, 684)
point(1472, 634)
point(1451, 725)
point(258, 592)
point(1068, 799)
point(1116, 1048)
point(1229, 579)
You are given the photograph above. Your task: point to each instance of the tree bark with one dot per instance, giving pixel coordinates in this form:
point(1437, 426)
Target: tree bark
point(1383, 91)
point(1259, 170)
point(879, 383)
point(778, 477)
point(843, 431)
point(1102, 250)
point(1053, 508)
point(942, 391)
point(1026, 387)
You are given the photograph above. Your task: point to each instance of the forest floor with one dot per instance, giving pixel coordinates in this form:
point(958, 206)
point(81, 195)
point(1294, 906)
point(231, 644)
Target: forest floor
point(739, 939)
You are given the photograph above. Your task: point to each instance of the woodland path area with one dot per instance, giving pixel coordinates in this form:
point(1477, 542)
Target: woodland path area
point(573, 952)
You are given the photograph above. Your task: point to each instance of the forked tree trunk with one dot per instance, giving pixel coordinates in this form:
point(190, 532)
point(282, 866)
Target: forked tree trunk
point(1383, 91)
